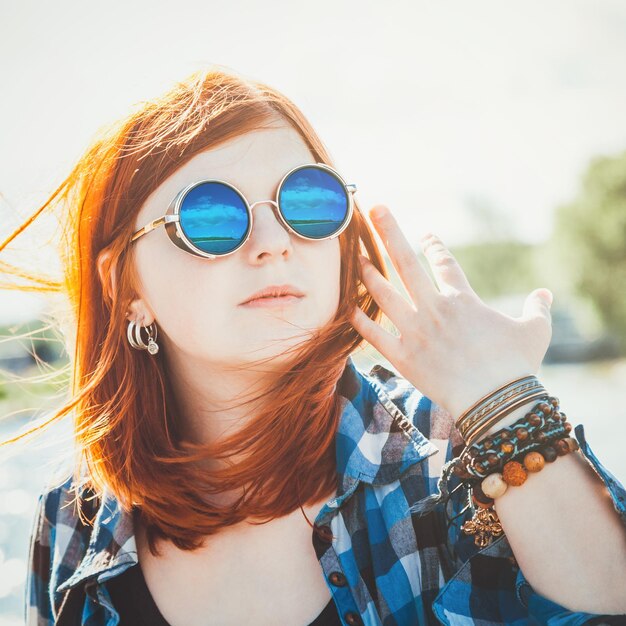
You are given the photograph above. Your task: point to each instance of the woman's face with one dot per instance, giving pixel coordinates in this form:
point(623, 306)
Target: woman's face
point(197, 302)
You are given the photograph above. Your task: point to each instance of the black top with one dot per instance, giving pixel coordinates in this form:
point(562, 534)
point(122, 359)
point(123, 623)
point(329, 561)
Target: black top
point(134, 602)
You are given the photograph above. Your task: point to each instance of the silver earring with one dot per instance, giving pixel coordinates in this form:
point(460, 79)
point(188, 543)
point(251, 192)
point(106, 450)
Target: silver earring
point(137, 341)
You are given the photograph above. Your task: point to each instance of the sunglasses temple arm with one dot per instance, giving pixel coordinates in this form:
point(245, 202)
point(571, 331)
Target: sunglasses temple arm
point(164, 219)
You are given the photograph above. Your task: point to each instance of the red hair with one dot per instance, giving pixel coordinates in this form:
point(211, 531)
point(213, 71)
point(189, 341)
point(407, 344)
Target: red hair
point(126, 425)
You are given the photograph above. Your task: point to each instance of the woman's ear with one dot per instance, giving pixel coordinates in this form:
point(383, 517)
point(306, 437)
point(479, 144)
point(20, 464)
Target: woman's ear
point(107, 272)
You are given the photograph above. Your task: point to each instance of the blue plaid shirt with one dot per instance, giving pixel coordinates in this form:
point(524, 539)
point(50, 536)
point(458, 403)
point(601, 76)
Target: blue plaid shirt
point(397, 568)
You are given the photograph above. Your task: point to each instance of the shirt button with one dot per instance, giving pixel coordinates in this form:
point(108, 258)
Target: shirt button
point(325, 533)
point(354, 619)
point(337, 579)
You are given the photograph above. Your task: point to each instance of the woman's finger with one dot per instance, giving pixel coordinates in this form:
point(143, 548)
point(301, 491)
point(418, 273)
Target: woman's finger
point(414, 277)
point(395, 307)
point(446, 269)
point(386, 343)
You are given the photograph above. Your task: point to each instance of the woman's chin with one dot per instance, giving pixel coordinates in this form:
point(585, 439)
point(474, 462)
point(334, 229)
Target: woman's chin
point(278, 348)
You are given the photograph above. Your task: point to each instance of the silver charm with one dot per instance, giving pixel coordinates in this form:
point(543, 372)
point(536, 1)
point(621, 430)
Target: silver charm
point(153, 347)
point(136, 341)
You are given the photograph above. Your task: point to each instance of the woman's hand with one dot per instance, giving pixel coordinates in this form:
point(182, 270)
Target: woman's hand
point(452, 346)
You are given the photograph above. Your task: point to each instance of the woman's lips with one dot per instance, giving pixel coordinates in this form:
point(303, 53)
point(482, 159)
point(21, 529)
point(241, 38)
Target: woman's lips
point(273, 301)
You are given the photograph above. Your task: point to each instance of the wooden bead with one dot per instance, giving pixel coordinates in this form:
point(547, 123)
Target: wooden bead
point(534, 462)
point(513, 473)
point(534, 419)
point(573, 444)
point(521, 434)
point(483, 505)
point(493, 460)
point(549, 453)
point(561, 447)
point(544, 407)
point(505, 434)
point(477, 464)
point(479, 493)
point(568, 427)
point(507, 447)
point(493, 486)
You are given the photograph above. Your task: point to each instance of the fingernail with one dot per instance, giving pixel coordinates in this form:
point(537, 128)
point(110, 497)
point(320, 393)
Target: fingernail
point(378, 212)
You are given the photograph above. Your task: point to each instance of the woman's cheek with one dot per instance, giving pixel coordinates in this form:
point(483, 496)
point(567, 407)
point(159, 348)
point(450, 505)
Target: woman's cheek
point(329, 279)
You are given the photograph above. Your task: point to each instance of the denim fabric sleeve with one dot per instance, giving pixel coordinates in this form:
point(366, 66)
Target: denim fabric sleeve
point(541, 609)
point(544, 611)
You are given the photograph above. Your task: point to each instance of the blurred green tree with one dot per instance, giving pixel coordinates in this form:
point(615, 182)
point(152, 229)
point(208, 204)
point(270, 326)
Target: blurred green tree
point(496, 263)
point(590, 239)
point(498, 268)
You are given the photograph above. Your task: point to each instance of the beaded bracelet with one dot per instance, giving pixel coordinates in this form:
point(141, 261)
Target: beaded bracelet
point(515, 472)
point(542, 423)
point(490, 466)
point(537, 438)
point(485, 523)
point(498, 461)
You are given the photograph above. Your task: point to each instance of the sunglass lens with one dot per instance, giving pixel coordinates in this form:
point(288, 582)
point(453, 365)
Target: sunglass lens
point(214, 218)
point(314, 202)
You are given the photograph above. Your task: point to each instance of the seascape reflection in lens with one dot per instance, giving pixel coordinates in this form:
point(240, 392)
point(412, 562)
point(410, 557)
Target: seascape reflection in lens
point(214, 218)
point(314, 202)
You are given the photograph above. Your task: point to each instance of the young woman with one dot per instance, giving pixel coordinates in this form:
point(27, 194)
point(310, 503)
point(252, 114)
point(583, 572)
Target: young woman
point(233, 464)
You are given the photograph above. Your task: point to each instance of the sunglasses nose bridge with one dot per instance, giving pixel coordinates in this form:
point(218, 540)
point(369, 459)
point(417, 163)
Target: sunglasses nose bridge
point(275, 208)
point(272, 202)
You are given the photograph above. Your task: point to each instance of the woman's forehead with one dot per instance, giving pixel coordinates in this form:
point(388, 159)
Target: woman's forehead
point(259, 154)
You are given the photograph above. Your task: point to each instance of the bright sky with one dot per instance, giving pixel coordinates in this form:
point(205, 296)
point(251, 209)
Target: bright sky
point(429, 107)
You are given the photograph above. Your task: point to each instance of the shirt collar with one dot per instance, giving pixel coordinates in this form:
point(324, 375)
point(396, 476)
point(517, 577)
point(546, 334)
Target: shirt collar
point(375, 443)
point(375, 440)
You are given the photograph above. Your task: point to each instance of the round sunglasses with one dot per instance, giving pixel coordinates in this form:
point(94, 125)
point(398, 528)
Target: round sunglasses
point(212, 218)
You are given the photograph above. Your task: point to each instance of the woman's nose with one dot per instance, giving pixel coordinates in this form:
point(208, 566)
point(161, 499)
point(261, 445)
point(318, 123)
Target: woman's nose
point(269, 236)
